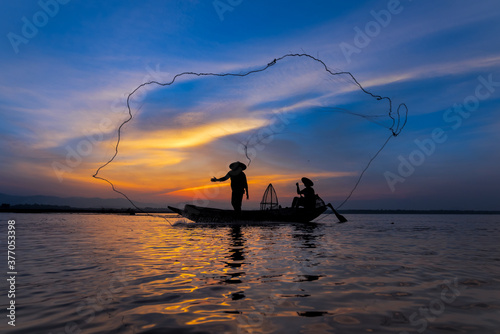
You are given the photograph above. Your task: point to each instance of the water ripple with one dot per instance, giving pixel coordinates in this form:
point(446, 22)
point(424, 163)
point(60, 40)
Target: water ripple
point(137, 274)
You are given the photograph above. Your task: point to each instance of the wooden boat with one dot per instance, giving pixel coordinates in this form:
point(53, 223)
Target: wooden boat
point(211, 215)
point(270, 211)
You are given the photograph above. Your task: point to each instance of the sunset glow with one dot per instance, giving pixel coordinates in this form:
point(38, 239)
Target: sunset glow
point(64, 94)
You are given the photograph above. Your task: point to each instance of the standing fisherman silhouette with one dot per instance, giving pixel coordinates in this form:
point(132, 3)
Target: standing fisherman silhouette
point(309, 199)
point(239, 183)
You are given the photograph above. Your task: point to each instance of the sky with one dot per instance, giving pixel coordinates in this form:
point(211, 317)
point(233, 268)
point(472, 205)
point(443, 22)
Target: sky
point(67, 68)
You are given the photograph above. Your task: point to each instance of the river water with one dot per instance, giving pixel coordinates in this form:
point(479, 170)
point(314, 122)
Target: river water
point(138, 274)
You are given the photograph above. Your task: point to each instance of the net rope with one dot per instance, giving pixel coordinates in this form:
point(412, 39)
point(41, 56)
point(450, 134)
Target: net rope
point(398, 117)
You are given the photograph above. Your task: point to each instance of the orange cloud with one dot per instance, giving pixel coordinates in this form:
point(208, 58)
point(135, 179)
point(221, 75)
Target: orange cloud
point(192, 136)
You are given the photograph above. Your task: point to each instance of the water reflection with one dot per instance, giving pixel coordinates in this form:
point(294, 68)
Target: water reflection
point(309, 236)
point(307, 233)
point(236, 257)
point(236, 248)
point(271, 279)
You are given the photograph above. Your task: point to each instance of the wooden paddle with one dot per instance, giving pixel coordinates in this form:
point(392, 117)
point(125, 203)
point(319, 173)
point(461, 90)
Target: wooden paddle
point(341, 218)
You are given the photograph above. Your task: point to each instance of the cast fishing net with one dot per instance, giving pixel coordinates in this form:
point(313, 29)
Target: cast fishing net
point(289, 118)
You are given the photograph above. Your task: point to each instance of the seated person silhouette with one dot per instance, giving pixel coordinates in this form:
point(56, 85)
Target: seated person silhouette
point(307, 198)
point(239, 183)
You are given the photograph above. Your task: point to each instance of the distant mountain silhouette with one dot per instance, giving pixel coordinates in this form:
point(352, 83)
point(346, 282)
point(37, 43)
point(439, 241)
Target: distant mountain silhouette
point(75, 202)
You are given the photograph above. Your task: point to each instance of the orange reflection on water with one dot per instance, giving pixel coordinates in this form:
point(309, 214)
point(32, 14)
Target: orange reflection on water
point(363, 276)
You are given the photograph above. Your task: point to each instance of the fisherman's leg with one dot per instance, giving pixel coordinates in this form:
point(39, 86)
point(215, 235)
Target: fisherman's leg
point(300, 202)
point(236, 200)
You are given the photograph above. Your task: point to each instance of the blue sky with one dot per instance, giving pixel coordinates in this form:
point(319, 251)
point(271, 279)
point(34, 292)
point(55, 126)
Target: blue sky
point(68, 66)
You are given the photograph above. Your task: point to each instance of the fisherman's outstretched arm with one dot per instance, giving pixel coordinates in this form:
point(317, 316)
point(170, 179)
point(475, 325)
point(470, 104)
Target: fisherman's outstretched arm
point(224, 178)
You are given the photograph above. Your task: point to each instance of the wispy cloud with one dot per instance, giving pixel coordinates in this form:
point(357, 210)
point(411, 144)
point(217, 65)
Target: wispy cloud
point(68, 80)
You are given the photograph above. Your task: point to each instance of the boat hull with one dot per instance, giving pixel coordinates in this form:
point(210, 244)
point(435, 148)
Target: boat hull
point(210, 215)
